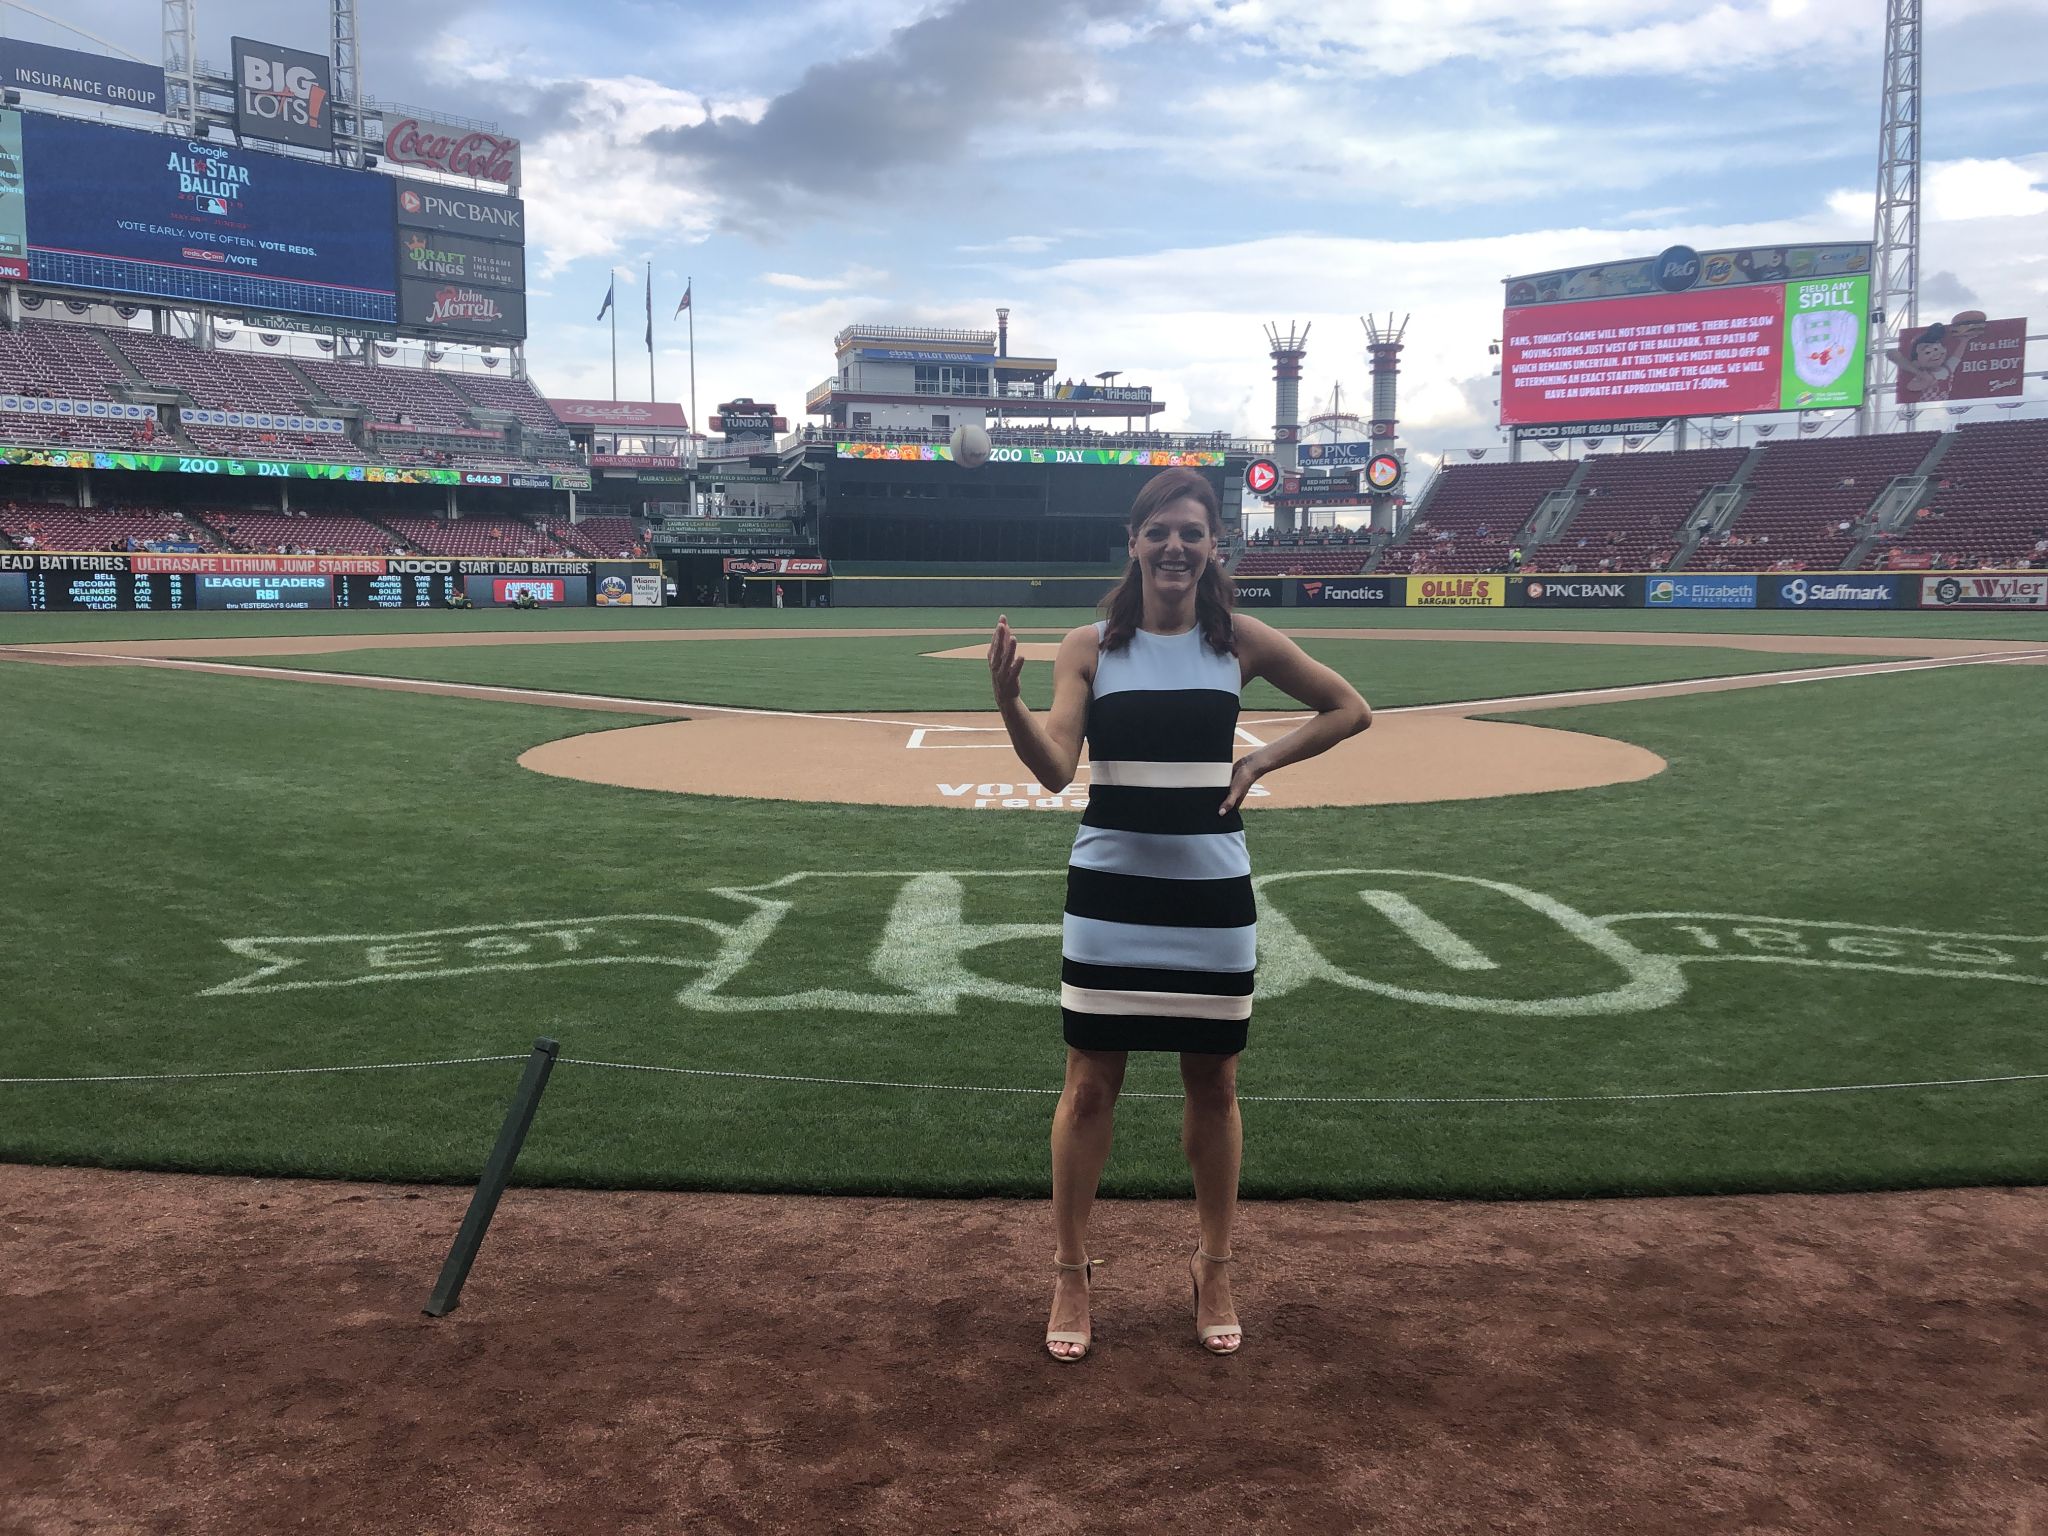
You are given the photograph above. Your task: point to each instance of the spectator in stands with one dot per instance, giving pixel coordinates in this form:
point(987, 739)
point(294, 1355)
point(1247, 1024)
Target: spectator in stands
point(1515, 558)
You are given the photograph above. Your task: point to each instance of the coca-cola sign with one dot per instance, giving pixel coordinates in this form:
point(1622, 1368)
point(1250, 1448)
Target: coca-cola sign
point(458, 151)
point(461, 307)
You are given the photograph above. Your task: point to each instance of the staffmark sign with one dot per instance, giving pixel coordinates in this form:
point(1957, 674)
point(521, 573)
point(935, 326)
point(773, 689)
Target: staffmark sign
point(1984, 591)
point(1837, 592)
point(283, 94)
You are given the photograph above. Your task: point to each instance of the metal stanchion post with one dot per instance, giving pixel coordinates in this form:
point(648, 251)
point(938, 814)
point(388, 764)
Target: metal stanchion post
point(497, 1169)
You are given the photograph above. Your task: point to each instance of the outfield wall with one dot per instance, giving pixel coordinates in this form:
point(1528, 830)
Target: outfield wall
point(36, 582)
point(1831, 591)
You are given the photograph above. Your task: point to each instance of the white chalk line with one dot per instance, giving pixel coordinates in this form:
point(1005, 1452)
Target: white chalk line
point(443, 687)
point(856, 1082)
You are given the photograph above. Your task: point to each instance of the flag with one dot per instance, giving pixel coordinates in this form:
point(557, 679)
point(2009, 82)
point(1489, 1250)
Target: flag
point(684, 304)
point(606, 307)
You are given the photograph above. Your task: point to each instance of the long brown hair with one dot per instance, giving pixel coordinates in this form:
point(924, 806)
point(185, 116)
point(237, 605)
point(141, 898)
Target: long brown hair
point(1124, 607)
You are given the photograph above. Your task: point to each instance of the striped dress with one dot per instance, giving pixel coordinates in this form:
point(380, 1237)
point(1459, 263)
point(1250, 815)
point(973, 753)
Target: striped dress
point(1158, 944)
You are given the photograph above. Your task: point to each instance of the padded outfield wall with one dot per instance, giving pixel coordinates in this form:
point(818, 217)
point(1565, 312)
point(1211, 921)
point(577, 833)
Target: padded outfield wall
point(1813, 591)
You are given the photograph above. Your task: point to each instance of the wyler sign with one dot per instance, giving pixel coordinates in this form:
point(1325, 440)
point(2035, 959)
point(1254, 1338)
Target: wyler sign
point(283, 94)
point(1984, 591)
point(454, 211)
point(435, 146)
point(1457, 591)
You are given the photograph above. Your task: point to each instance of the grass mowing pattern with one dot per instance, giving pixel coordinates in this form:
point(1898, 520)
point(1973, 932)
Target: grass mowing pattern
point(154, 815)
point(897, 673)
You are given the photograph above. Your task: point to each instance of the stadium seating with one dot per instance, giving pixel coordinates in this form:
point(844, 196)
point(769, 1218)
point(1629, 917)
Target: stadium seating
point(1311, 560)
point(1988, 504)
point(1801, 492)
point(70, 528)
point(235, 381)
point(61, 361)
point(321, 532)
point(514, 395)
point(394, 395)
point(602, 537)
point(1479, 509)
point(1632, 509)
point(477, 537)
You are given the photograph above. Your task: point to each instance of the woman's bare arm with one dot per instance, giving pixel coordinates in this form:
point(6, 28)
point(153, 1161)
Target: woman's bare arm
point(1340, 710)
point(1050, 746)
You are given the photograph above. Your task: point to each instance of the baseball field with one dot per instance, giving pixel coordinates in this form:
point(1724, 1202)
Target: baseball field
point(1738, 914)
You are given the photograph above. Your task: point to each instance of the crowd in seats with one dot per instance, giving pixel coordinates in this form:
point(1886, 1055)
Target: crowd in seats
point(487, 538)
point(1632, 510)
point(300, 533)
point(1808, 501)
point(49, 525)
point(1987, 506)
point(398, 396)
point(1475, 516)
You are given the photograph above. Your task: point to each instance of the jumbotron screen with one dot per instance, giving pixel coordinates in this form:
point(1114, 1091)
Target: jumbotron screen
point(1687, 334)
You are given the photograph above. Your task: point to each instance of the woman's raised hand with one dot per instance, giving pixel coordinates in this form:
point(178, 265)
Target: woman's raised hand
point(1005, 663)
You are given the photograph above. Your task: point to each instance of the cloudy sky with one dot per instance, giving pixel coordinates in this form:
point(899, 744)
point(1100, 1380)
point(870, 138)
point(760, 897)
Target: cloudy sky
point(1147, 183)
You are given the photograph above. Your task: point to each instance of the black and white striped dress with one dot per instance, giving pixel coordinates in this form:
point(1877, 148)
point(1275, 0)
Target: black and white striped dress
point(1158, 945)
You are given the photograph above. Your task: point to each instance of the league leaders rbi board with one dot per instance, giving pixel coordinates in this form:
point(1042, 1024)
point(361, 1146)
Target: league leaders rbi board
point(98, 208)
point(1630, 345)
point(39, 583)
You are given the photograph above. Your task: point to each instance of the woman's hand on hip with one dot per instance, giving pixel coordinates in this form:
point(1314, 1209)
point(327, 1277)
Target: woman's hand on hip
point(1005, 664)
point(1244, 773)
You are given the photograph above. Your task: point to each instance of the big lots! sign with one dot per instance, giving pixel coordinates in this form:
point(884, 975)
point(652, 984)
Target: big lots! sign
point(458, 151)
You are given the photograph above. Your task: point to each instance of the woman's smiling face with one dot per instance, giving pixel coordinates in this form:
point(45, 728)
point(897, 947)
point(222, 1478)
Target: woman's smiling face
point(1174, 546)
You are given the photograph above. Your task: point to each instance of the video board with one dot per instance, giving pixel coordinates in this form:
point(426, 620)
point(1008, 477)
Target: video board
point(127, 211)
point(1686, 334)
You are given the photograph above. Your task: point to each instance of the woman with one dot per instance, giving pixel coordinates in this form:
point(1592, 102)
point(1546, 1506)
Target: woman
point(1157, 950)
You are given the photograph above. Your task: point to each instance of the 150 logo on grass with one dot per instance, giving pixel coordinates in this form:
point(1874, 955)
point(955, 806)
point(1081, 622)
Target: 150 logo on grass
point(925, 941)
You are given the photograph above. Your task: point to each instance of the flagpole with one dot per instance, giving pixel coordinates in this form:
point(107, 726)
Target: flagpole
point(615, 350)
point(690, 287)
point(650, 333)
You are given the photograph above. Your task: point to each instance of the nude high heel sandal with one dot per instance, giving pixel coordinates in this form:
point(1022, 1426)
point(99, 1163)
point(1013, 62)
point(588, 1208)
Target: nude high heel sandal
point(1214, 1330)
point(1087, 1268)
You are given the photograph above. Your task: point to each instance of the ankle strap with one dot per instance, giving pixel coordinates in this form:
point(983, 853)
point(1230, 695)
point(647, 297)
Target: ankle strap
point(1213, 1258)
point(1057, 1263)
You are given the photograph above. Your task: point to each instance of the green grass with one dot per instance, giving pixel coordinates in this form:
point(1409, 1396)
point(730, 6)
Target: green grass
point(154, 816)
point(37, 628)
point(899, 673)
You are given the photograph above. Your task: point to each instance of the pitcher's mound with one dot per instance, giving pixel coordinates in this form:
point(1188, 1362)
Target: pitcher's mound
point(965, 760)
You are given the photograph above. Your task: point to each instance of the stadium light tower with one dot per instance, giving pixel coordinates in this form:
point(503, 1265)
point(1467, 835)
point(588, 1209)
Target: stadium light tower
point(181, 95)
point(1384, 344)
point(343, 52)
point(1287, 350)
point(1896, 290)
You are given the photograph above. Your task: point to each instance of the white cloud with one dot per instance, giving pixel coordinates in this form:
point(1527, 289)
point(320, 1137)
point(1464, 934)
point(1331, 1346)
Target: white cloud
point(852, 277)
point(1985, 189)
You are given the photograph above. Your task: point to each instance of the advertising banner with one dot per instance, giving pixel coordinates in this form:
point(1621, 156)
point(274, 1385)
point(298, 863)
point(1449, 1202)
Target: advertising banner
point(1557, 430)
point(1335, 453)
point(75, 410)
point(912, 355)
point(254, 421)
point(1829, 590)
point(132, 212)
point(459, 308)
point(456, 211)
point(1575, 591)
point(1256, 592)
point(1985, 590)
point(436, 146)
point(436, 257)
point(283, 94)
point(93, 77)
point(1351, 591)
point(1710, 351)
point(13, 200)
point(262, 469)
point(1699, 592)
point(1457, 591)
point(1679, 269)
point(1967, 358)
point(761, 566)
point(936, 453)
point(262, 565)
point(1132, 393)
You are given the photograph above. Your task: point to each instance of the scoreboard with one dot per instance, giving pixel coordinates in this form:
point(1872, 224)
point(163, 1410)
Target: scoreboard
point(145, 583)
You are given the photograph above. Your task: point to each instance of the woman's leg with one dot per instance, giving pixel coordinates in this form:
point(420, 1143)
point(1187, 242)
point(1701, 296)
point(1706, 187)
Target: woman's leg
point(1083, 1126)
point(1212, 1136)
